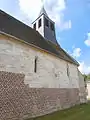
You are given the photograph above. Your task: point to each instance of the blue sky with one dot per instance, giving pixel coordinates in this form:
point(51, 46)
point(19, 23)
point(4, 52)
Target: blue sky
point(72, 19)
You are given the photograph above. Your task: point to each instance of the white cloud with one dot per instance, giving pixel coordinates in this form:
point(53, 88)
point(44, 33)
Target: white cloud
point(30, 7)
point(76, 52)
point(87, 42)
point(85, 69)
point(68, 24)
point(54, 9)
point(22, 17)
point(65, 25)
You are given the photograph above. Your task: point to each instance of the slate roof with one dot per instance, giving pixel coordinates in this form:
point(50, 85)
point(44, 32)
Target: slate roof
point(14, 27)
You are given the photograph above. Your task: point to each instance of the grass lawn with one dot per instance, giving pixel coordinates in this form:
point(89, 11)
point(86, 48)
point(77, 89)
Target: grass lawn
point(81, 112)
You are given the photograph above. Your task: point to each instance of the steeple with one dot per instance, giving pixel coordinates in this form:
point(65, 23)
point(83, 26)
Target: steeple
point(43, 11)
point(45, 26)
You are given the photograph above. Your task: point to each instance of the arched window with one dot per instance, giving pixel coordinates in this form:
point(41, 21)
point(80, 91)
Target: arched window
point(67, 70)
point(46, 22)
point(39, 23)
point(52, 26)
point(35, 64)
point(34, 26)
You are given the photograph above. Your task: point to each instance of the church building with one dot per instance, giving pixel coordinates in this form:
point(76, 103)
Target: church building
point(37, 76)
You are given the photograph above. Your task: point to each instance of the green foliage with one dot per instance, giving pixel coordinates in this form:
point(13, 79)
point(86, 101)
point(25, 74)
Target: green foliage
point(86, 77)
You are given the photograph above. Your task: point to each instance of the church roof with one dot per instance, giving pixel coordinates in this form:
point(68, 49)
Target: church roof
point(15, 28)
point(43, 11)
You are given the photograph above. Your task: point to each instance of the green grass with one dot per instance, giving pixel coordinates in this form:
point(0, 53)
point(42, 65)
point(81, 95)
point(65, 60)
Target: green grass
point(81, 112)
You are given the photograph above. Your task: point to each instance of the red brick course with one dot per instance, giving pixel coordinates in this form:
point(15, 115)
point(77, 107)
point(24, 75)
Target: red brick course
point(17, 100)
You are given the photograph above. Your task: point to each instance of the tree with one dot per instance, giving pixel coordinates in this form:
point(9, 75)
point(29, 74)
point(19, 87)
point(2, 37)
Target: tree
point(86, 77)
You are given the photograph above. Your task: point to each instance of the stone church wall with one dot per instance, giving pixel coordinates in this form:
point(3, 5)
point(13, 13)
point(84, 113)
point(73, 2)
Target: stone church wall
point(24, 92)
point(18, 57)
point(18, 101)
point(82, 88)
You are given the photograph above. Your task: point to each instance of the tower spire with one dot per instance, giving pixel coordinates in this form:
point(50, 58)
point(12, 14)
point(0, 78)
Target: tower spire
point(43, 11)
point(45, 26)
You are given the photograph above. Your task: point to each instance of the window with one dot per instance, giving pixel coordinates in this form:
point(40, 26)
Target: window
point(39, 23)
point(46, 22)
point(52, 26)
point(35, 65)
point(34, 26)
point(67, 70)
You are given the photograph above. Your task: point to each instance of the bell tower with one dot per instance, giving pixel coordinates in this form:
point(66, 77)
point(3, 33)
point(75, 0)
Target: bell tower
point(45, 26)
